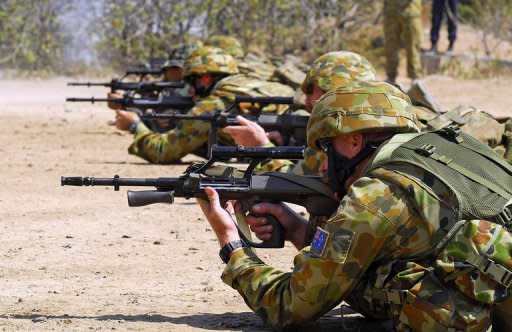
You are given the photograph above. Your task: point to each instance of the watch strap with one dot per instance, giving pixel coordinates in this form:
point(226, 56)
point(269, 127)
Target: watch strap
point(227, 249)
point(133, 127)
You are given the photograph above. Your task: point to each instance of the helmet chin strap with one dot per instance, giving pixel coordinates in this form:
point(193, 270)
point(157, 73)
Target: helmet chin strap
point(204, 91)
point(340, 168)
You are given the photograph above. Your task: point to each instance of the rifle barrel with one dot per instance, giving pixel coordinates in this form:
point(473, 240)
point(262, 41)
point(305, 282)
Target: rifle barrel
point(94, 100)
point(89, 84)
point(144, 86)
point(177, 116)
point(265, 100)
point(277, 152)
point(116, 181)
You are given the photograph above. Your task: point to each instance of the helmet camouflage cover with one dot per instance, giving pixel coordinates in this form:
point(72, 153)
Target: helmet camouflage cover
point(230, 44)
point(361, 106)
point(180, 52)
point(335, 69)
point(209, 60)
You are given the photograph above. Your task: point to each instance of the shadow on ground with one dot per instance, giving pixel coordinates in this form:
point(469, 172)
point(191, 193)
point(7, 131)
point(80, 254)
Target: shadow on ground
point(244, 321)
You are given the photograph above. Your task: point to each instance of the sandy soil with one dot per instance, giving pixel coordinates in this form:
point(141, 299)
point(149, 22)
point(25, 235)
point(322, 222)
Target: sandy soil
point(81, 259)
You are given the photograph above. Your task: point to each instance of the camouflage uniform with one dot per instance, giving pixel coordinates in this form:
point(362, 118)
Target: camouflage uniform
point(185, 90)
point(402, 17)
point(257, 65)
point(250, 64)
point(191, 135)
point(230, 44)
point(177, 59)
point(384, 224)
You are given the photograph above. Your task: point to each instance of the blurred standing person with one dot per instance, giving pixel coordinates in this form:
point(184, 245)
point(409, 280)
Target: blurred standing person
point(439, 7)
point(402, 19)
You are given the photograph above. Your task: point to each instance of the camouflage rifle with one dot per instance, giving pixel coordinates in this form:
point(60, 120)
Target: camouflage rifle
point(232, 184)
point(144, 86)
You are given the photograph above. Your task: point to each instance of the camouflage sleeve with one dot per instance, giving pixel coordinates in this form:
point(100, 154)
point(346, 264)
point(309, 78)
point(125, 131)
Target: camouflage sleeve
point(170, 147)
point(310, 165)
point(273, 165)
point(325, 272)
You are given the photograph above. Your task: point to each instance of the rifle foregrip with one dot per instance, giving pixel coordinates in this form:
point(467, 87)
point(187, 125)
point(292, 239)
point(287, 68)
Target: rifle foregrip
point(142, 198)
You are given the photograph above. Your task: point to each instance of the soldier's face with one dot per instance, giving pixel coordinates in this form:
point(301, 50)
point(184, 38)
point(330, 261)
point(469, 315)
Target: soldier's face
point(347, 146)
point(311, 98)
point(202, 85)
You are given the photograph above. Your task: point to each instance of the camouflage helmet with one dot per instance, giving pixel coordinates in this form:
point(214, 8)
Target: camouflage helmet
point(209, 60)
point(362, 106)
point(230, 44)
point(179, 53)
point(335, 69)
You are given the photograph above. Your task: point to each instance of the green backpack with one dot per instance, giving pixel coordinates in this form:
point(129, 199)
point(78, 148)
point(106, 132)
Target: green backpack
point(472, 257)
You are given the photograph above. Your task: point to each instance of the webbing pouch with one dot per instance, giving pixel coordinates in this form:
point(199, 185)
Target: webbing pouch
point(478, 260)
point(405, 290)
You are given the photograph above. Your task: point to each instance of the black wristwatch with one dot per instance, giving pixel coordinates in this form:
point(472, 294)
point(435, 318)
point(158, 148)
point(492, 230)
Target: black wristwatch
point(225, 252)
point(133, 127)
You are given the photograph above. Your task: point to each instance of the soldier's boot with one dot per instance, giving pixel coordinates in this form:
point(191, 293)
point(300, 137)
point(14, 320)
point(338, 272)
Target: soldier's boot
point(391, 80)
point(433, 49)
point(450, 47)
point(420, 97)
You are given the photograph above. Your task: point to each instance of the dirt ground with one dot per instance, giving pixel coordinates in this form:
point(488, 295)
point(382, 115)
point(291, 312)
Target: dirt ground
point(75, 259)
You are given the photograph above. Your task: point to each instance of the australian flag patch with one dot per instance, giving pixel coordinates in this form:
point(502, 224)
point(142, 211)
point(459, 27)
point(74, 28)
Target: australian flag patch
point(319, 242)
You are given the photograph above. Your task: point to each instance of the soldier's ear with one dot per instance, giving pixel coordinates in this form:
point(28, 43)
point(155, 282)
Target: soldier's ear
point(209, 79)
point(349, 145)
point(356, 143)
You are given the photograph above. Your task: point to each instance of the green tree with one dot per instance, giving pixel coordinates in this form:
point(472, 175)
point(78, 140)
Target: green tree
point(130, 31)
point(31, 34)
point(491, 18)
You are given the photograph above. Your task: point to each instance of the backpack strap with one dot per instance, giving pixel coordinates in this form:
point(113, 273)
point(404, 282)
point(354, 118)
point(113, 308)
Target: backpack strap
point(390, 295)
point(492, 156)
point(428, 150)
point(386, 149)
point(495, 271)
point(505, 216)
point(454, 134)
